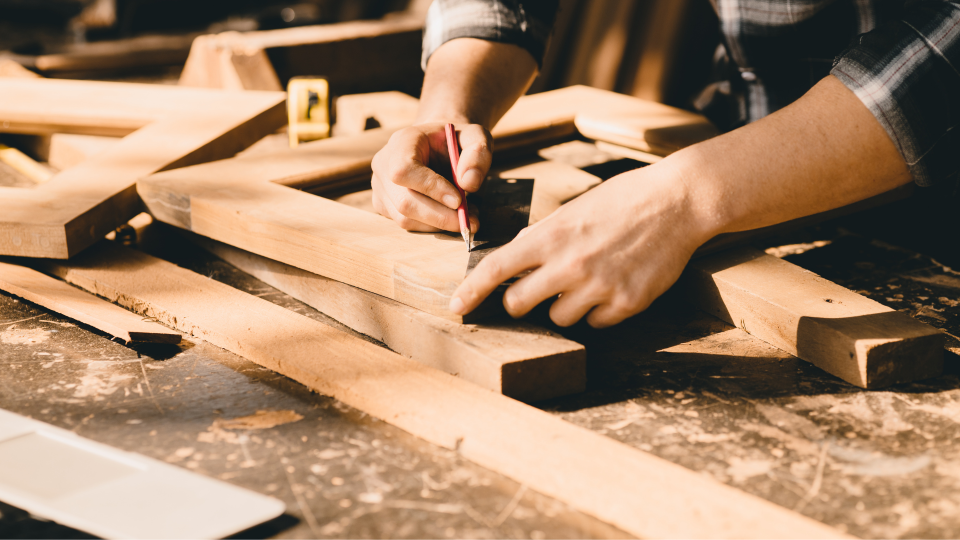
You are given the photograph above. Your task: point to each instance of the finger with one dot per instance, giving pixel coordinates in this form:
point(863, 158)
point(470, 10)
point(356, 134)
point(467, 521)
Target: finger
point(608, 315)
point(407, 167)
point(529, 291)
point(385, 207)
point(572, 306)
point(476, 155)
point(493, 270)
point(423, 209)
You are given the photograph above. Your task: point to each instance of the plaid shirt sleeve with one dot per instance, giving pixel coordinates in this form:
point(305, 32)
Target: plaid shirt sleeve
point(525, 23)
point(906, 73)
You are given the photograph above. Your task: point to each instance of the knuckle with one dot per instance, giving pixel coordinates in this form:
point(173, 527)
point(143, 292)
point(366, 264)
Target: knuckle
point(493, 267)
point(405, 204)
point(405, 223)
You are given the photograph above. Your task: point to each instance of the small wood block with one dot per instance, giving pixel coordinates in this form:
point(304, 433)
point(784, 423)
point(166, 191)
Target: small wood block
point(861, 341)
point(512, 358)
point(57, 296)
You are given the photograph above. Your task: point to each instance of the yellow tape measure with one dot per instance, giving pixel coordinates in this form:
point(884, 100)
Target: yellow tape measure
point(308, 109)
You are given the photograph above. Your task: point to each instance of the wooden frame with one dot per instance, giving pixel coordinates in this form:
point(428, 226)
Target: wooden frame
point(246, 202)
point(165, 127)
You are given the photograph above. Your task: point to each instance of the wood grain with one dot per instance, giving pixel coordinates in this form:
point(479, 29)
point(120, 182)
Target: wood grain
point(848, 335)
point(57, 296)
point(512, 358)
point(637, 492)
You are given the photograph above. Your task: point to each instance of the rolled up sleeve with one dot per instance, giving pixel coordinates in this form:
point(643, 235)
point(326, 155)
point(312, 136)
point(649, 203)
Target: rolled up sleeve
point(906, 73)
point(525, 23)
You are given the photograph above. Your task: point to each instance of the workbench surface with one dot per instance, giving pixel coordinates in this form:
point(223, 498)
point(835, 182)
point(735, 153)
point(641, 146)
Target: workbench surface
point(677, 383)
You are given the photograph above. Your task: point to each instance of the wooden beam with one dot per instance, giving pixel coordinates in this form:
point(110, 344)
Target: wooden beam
point(635, 491)
point(861, 341)
point(512, 358)
point(355, 56)
point(168, 127)
point(81, 306)
point(113, 55)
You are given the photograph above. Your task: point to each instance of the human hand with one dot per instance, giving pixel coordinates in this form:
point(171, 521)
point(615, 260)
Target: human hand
point(609, 253)
point(407, 187)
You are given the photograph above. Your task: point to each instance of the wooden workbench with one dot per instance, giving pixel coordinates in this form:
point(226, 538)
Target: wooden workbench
point(671, 381)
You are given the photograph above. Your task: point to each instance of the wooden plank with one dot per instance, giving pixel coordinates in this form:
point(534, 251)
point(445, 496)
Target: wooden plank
point(512, 358)
point(138, 52)
point(353, 56)
point(637, 492)
point(81, 306)
point(387, 109)
point(36, 172)
point(174, 127)
point(848, 335)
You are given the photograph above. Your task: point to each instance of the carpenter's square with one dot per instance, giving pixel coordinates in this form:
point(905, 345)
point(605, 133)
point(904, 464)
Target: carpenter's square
point(503, 205)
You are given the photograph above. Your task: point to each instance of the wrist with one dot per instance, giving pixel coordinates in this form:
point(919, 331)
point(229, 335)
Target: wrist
point(448, 115)
point(700, 196)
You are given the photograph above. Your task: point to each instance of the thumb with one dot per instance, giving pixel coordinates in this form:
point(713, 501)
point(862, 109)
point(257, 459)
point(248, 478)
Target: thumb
point(476, 155)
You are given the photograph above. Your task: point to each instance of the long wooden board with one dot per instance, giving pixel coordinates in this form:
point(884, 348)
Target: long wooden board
point(168, 127)
point(59, 297)
point(637, 492)
point(512, 358)
point(861, 341)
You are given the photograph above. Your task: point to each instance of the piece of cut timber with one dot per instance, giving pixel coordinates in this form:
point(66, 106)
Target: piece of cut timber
point(61, 298)
point(174, 127)
point(650, 127)
point(357, 113)
point(138, 52)
point(354, 56)
point(37, 173)
point(513, 358)
point(635, 491)
point(861, 341)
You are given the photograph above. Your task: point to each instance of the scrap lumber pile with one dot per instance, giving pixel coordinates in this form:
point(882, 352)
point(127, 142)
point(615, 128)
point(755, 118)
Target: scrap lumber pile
point(444, 378)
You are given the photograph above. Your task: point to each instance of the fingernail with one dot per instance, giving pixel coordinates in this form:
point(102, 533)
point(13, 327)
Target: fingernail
point(457, 306)
point(471, 179)
point(451, 201)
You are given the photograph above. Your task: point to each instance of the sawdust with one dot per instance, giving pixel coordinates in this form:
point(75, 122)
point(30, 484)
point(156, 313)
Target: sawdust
point(742, 469)
point(24, 336)
point(258, 420)
point(98, 381)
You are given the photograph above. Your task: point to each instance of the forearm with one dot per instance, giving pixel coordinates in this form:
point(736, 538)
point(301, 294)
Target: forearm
point(473, 81)
point(824, 151)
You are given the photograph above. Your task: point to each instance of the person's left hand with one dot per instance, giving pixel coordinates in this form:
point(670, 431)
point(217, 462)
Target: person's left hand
point(609, 253)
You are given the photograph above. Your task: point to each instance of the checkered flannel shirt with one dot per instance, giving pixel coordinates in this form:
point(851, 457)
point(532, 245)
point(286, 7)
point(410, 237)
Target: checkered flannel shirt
point(900, 57)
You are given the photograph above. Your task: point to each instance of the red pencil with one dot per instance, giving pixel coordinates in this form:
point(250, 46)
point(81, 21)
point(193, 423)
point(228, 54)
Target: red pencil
point(453, 148)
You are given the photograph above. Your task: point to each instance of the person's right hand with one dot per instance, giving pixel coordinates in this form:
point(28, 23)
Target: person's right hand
point(407, 187)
